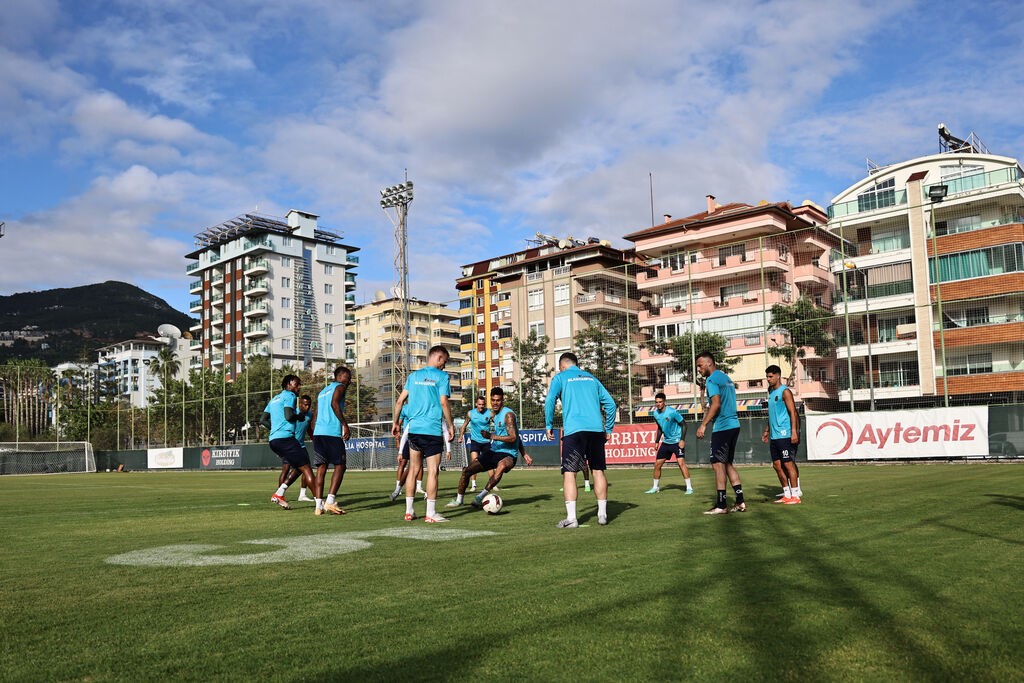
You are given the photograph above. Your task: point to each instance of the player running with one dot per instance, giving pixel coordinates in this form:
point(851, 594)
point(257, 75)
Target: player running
point(671, 432)
point(427, 391)
point(279, 416)
point(330, 430)
point(782, 435)
point(302, 420)
point(501, 455)
point(588, 416)
point(477, 420)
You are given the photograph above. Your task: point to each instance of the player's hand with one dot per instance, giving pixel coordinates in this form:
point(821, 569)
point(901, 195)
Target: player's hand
point(795, 438)
point(451, 432)
point(700, 432)
point(345, 433)
point(527, 459)
point(486, 434)
point(607, 436)
point(548, 435)
point(764, 437)
point(396, 432)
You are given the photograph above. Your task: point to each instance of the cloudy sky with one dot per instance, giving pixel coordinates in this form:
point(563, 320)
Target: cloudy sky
point(128, 126)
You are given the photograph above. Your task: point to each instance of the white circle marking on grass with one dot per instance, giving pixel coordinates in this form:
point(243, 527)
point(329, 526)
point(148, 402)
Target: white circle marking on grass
point(286, 549)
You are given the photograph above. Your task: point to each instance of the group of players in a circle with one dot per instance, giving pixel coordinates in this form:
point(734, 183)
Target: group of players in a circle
point(423, 429)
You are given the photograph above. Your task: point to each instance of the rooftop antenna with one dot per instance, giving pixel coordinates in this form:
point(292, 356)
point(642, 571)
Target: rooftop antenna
point(650, 178)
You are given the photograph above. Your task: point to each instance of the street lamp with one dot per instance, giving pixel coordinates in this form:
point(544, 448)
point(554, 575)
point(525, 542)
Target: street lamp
point(398, 197)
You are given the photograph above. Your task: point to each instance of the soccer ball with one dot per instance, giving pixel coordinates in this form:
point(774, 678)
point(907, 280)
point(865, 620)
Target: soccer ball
point(492, 503)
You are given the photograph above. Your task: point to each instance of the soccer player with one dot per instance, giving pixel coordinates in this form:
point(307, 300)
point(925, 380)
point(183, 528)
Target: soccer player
point(721, 411)
point(477, 420)
point(279, 417)
point(782, 435)
point(330, 430)
point(427, 391)
point(302, 420)
point(501, 455)
point(588, 417)
point(671, 432)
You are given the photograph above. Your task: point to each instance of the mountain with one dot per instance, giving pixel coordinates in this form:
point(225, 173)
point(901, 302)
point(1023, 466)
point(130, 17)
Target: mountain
point(71, 323)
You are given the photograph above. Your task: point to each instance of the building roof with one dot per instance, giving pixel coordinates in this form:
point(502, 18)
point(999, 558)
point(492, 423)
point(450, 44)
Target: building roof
point(538, 253)
point(721, 214)
point(256, 224)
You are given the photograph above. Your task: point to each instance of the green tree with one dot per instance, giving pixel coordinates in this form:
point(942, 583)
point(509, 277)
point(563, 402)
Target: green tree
point(806, 326)
point(687, 346)
point(603, 350)
point(530, 356)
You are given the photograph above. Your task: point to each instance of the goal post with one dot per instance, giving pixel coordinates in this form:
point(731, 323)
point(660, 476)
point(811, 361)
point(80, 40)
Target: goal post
point(373, 448)
point(46, 457)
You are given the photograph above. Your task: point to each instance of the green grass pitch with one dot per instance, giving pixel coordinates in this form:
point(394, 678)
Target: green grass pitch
point(885, 573)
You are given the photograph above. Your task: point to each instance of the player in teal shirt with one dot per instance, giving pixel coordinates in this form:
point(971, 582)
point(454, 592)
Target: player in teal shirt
point(782, 434)
point(302, 419)
point(425, 399)
point(671, 432)
point(280, 417)
point(721, 411)
point(477, 420)
point(329, 433)
point(588, 418)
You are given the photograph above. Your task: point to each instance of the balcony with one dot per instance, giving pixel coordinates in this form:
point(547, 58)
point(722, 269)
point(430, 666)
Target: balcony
point(350, 281)
point(649, 357)
point(191, 267)
point(257, 287)
point(812, 275)
point(978, 181)
point(807, 389)
point(352, 260)
point(195, 305)
point(350, 337)
point(195, 286)
point(259, 243)
point(871, 204)
point(258, 349)
point(350, 317)
point(256, 266)
point(350, 298)
point(217, 300)
point(217, 280)
point(673, 391)
point(770, 259)
point(599, 301)
point(256, 330)
point(195, 343)
point(217, 359)
point(256, 310)
point(663, 314)
point(217, 339)
point(196, 327)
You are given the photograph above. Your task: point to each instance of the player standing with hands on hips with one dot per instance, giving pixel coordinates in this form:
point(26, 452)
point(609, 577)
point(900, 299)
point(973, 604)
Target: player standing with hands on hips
point(588, 417)
point(721, 410)
point(782, 435)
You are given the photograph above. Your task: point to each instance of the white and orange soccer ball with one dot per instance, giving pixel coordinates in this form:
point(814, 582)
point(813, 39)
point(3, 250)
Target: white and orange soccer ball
point(492, 503)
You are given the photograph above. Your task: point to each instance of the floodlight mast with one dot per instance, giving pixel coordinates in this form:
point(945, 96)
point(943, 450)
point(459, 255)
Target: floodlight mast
point(398, 197)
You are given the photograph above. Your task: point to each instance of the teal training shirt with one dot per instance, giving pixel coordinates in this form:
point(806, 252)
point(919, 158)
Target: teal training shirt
point(778, 414)
point(280, 427)
point(584, 399)
point(327, 423)
point(426, 386)
point(671, 423)
point(477, 423)
point(501, 430)
point(301, 426)
point(719, 384)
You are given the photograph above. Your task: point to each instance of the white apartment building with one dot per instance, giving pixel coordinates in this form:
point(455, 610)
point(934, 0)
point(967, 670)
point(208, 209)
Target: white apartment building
point(125, 368)
point(266, 286)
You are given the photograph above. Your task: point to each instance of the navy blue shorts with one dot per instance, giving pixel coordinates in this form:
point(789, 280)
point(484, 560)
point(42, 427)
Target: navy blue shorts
point(583, 448)
point(782, 449)
point(667, 450)
point(490, 459)
point(723, 445)
point(427, 444)
point(405, 451)
point(328, 450)
point(290, 451)
point(479, 447)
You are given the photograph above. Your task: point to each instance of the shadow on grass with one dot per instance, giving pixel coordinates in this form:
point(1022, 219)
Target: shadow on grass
point(1009, 501)
point(615, 509)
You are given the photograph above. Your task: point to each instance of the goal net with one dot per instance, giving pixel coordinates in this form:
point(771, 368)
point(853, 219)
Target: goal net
point(373, 448)
point(46, 457)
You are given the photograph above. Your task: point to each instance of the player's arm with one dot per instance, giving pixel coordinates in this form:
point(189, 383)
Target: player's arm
point(446, 410)
point(290, 414)
point(462, 430)
point(657, 435)
point(608, 408)
point(396, 429)
point(265, 420)
point(714, 406)
point(510, 427)
point(794, 417)
point(682, 429)
point(554, 391)
point(339, 391)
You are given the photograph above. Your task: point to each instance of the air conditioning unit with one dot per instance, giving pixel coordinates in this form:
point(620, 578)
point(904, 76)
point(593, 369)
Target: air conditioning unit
point(908, 331)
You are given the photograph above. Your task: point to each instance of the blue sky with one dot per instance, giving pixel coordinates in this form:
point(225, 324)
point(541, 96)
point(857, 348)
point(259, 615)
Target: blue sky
point(127, 127)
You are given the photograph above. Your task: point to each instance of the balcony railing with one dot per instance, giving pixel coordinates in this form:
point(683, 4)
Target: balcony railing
point(978, 181)
point(880, 200)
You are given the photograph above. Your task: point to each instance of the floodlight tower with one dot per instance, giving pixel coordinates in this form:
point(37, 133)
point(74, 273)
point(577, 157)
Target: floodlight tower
point(398, 197)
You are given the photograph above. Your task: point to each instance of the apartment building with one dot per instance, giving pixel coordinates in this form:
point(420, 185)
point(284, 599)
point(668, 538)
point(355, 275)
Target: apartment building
point(721, 271)
point(554, 288)
point(924, 331)
point(377, 332)
point(272, 287)
point(129, 368)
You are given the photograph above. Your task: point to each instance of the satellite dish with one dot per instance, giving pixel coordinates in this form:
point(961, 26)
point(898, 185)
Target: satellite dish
point(379, 295)
point(562, 244)
point(169, 330)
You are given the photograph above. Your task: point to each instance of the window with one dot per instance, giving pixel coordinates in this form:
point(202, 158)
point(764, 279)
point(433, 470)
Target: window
point(329, 328)
point(328, 269)
point(481, 374)
point(479, 302)
point(481, 356)
point(480, 284)
point(730, 291)
point(562, 294)
point(466, 321)
point(331, 250)
point(887, 326)
point(286, 241)
point(328, 309)
point(959, 171)
point(958, 225)
point(286, 344)
point(676, 260)
point(286, 302)
point(479, 337)
point(286, 282)
point(505, 333)
point(466, 303)
point(732, 250)
point(495, 372)
point(535, 299)
point(752, 339)
point(329, 347)
point(328, 288)
point(1006, 258)
point(562, 327)
point(890, 239)
point(494, 299)
point(676, 296)
point(286, 261)
point(494, 354)
point(465, 338)
point(881, 195)
point(537, 328)
point(286, 323)
point(494, 316)
point(479, 318)
point(971, 364)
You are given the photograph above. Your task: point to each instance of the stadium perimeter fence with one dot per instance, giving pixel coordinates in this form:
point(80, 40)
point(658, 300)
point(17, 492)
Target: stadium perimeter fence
point(887, 346)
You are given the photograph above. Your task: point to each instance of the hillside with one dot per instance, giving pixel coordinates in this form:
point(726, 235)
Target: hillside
point(73, 322)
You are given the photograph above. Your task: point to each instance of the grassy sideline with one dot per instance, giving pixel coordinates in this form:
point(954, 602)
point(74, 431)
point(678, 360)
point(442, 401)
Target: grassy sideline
point(889, 572)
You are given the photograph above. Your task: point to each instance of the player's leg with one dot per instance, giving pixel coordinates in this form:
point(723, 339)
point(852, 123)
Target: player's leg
point(586, 478)
point(279, 449)
point(573, 459)
point(415, 465)
point(469, 471)
point(339, 461)
point(733, 473)
point(791, 478)
point(503, 466)
point(431, 467)
point(596, 461)
point(474, 455)
point(399, 478)
point(684, 470)
point(284, 473)
point(659, 462)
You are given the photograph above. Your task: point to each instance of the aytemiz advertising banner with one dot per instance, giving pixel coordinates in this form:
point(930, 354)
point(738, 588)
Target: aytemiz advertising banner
point(926, 433)
point(165, 458)
point(631, 444)
point(220, 458)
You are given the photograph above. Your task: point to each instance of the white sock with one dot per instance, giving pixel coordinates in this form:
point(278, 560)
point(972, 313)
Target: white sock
point(398, 486)
point(689, 486)
point(408, 505)
point(586, 482)
point(602, 508)
point(786, 492)
point(431, 507)
point(302, 492)
point(570, 509)
point(330, 499)
point(419, 486)
point(458, 498)
point(281, 489)
point(483, 492)
point(656, 483)
point(798, 493)
point(319, 503)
